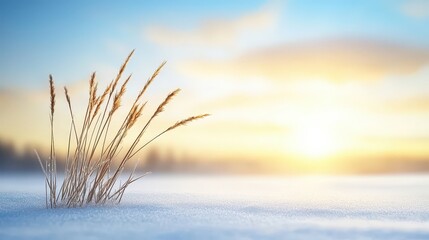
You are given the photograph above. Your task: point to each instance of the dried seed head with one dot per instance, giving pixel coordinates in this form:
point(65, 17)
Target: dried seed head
point(186, 121)
point(135, 114)
point(149, 81)
point(121, 70)
point(140, 110)
point(52, 94)
point(118, 96)
point(116, 104)
point(131, 117)
point(92, 90)
point(66, 92)
point(101, 99)
point(166, 101)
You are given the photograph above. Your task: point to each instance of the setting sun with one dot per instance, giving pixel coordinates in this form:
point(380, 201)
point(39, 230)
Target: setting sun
point(315, 142)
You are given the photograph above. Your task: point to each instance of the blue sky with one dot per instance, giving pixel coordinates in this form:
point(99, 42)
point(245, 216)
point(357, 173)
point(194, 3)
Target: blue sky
point(61, 37)
point(40, 37)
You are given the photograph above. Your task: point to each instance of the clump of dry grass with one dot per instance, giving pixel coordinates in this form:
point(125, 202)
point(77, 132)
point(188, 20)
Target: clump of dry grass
point(90, 174)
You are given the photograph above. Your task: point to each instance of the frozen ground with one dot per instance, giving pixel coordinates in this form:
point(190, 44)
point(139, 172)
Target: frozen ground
point(214, 207)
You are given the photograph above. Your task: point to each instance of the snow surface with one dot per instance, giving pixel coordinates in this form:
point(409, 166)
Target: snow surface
point(228, 207)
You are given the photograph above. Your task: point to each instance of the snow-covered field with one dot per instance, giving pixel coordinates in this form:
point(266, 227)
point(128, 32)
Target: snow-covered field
point(231, 207)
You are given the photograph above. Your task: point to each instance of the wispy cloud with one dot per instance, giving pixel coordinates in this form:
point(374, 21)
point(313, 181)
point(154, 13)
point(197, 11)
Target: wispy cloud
point(416, 8)
point(215, 31)
point(335, 60)
point(416, 104)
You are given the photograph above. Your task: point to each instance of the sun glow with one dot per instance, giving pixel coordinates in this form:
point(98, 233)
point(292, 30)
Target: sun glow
point(315, 142)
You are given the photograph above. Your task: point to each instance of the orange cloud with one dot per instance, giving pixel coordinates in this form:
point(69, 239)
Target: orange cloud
point(337, 60)
point(215, 31)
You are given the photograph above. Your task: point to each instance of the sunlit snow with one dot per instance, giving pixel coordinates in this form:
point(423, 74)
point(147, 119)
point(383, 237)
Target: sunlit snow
point(232, 207)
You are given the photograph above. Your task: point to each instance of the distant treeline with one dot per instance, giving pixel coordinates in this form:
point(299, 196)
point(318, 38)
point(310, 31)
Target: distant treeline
point(157, 161)
point(12, 160)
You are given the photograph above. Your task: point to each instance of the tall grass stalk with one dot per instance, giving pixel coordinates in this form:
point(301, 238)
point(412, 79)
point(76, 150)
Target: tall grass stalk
point(92, 166)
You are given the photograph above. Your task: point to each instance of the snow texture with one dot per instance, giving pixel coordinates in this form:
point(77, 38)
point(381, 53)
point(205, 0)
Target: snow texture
point(228, 207)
